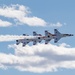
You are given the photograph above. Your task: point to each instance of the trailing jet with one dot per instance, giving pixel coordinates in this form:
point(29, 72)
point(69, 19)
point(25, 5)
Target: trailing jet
point(35, 38)
point(38, 37)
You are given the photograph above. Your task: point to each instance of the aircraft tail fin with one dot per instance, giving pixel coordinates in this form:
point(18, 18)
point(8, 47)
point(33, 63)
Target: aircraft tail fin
point(34, 33)
point(47, 33)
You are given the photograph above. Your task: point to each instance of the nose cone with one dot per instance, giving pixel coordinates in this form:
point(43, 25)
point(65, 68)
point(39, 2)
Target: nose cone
point(68, 35)
point(46, 31)
point(72, 35)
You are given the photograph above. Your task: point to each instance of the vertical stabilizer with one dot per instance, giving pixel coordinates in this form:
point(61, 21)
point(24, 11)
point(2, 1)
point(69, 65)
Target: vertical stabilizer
point(34, 33)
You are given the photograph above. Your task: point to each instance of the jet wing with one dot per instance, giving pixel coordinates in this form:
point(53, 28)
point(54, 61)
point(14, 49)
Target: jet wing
point(47, 41)
point(56, 39)
point(58, 36)
point(34, 42)
point(56, 32)
point(47, 33)
point(24, 43)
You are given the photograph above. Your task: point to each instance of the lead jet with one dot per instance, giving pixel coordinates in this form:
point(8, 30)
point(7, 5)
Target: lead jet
point(58, 35)
point(38, 37)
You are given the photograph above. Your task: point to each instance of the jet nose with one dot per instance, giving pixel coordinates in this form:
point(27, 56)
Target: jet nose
point(71, 35)
point(45, 30)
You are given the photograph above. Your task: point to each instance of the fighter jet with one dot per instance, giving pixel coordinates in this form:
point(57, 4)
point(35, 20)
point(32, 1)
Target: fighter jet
point(38, 37)
point(58, 35)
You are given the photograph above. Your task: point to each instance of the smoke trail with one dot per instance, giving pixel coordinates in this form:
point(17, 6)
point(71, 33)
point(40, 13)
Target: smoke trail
point(4, 38)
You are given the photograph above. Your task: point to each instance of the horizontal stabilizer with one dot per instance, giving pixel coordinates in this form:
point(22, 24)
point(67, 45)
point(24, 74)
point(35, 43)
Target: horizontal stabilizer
point(56, 39)
point(24, 43)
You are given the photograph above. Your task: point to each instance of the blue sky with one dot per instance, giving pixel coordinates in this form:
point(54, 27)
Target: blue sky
point(25, 16)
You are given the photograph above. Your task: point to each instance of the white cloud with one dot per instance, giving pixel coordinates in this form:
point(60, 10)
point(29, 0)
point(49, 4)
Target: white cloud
point(58, 24)
point(5, 23)
point(39, 58)
point(21, 14)
point(33, 21)
point(14, 11)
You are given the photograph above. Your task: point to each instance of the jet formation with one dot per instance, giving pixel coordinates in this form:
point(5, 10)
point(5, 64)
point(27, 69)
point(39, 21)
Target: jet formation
point(38, 37)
